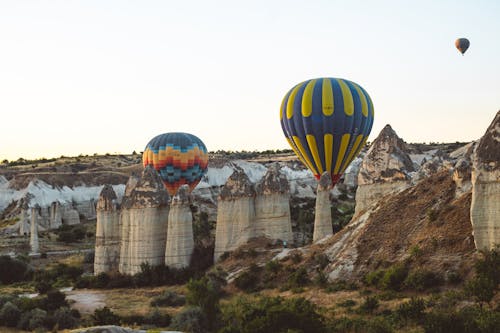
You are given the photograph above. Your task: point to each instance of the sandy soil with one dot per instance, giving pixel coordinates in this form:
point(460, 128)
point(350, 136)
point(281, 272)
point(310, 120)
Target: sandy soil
point(85, 300)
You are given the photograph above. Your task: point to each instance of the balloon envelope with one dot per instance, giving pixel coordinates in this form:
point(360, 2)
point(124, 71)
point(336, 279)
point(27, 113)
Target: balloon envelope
point(179, 158)
point(327, 122)
point(462, 44)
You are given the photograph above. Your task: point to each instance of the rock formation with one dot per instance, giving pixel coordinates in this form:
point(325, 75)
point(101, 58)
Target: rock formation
point(55, 215)
point(35, 248)
point(385, 169)
point(69, 215)
point(107, 244)
point(272, 206)
point(86, 208)
point(235, 213)
point(485, 207)
point(143, 223)
point(180, 241)
point(323, 213)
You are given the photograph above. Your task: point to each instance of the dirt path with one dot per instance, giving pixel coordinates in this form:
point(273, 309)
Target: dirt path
point(86, 300)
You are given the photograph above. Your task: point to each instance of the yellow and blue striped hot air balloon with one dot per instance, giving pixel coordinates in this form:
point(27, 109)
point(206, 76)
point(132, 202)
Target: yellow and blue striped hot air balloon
point(327, 122)
point(179, 158)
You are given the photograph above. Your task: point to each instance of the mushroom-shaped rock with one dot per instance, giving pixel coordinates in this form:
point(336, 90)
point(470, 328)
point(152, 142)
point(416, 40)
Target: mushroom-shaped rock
point(107, 244)
point(323, 214)
point(235, 213)
point(144, 219)
point(485, 206)
point(272, 206)
point(180, 241)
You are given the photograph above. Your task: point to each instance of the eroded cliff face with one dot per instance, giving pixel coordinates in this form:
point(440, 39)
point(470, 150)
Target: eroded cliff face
point(144, 219)
point(385, 169)
point(107, 245)
point(323, 213)
point(180, 240)
point(485, 207)
point(272, 206)
point(235, 213)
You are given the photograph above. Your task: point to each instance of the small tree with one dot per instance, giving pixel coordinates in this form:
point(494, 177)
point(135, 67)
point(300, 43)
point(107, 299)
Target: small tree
point(10, 314)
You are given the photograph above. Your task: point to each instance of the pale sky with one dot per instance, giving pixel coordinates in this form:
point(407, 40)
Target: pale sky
point(84, 77)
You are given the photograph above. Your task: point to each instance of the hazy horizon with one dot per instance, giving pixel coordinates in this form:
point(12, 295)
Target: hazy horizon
point(89, 77)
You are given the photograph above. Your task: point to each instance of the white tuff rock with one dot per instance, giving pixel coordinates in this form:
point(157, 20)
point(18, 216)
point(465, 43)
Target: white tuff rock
point(485, 206)
point(107, 244)
point(180, 240)
point(143, 223)
point(323, 213)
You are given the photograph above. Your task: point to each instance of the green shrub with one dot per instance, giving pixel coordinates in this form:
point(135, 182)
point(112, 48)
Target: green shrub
point(411, 310)
point(205, 294)
point(369, 305)
point(394, 277)
point(13, 270)
point(453, 277)
point(481, 288)
point(340, 285)
point(421, 280)
point(64, 318)
point(168, 298)
point(9, 314)
point(191, 320)
point(157, 319)
point(273, 266)
point(373, 278)
point(299, 278)
point(321, 260)
point(105, 316)
point(271, 315)
point(71, 233)
point(321, 279)
point(54, 300)
point(248, 280)
point(33, 319)
point(348, 303)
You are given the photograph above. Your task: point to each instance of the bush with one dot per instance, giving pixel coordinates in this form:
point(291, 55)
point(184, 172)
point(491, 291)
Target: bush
point(157, 319)
point(481, 288)
point(422, 280)
point(271, 315)
point(299, 278)
point(9, 314)
point(348, 303)
point(54, 300)
point(105, 316)
point(248, 280)
point(13, 270)
point(168, 298)
point(32, 320)
point(369, 305)
point(71, 233)
point(411, 310)
point(373, 278)
point(205, 294)
point(394, 277)
point(191, 320)
point(64, 318)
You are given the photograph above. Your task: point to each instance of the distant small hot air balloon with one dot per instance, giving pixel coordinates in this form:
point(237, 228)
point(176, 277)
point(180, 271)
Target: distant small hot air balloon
point(179, 158)
point(327, 122)
point(462, 44)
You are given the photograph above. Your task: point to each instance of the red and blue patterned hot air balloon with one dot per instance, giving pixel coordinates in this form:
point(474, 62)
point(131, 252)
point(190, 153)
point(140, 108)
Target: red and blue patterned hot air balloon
point(179, 158)
point(327, 122)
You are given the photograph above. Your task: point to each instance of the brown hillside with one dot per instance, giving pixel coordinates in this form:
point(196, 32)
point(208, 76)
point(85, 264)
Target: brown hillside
point(425, 221)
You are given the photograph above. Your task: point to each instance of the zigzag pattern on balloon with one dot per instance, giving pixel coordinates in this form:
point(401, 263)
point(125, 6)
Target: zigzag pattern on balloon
point(179, 158)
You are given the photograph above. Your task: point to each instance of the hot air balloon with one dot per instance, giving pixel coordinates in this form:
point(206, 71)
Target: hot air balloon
point(179, 158)
point(327, 122)
point(462, 44)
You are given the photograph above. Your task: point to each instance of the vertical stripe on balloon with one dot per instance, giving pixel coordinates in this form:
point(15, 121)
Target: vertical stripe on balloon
point(291, 100)
point(313, 147)
point(307, 99)
point(352, 153)
point(303, 152)
point(328, 140)
point(343, 146)
point(364, 104)
point(327, 103)
point(347, 97)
